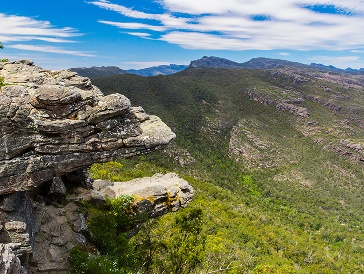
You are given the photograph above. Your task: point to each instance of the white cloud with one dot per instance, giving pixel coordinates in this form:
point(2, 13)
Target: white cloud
point(284, 54)
point(134, 26)
point(124, 10)
point(230, 24)
point(20, 28)
point(50, 49)
point(139, 34)
point(26, 29)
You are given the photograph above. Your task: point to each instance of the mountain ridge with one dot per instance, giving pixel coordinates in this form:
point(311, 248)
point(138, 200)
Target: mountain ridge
point(262, 63)
point(206, 62)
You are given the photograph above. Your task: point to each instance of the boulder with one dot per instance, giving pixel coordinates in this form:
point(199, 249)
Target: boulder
point(155, 196)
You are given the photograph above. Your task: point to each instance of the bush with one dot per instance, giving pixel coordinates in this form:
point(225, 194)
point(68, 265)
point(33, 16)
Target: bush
point(82, 263)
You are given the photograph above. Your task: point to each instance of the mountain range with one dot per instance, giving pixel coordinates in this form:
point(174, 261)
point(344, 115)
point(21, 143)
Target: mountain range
point(206, 62)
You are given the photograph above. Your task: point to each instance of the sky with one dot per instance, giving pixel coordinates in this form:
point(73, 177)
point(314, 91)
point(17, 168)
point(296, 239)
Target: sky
point(134, 34)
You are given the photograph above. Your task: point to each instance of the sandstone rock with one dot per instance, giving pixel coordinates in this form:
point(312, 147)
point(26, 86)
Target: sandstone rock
point(57, 231)
point(56, 122)
point(57, 187)
point(9, 262)
point(154, 195)
point(16, 215)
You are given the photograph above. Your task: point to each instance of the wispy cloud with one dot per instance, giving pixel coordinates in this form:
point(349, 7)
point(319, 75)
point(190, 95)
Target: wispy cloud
point(51, 49)
point(20, 28)
point(246, 24)
point(15, 29)
point(134, 25)
point(124, 10)
point(139, 34)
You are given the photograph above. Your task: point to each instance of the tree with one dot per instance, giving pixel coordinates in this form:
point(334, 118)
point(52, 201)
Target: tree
point(186, 244)
point(1, 46)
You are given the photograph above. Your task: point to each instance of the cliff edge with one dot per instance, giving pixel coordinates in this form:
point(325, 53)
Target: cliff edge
point(54, 126)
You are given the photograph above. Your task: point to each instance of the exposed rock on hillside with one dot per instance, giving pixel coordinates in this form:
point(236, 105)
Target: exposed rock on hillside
point(56, 122)
point(299, 111)
point(154, 195)
point(54, 125)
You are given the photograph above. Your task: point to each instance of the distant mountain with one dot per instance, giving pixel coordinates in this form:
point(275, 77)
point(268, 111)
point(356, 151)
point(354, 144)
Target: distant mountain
point(214, 62)
point(98, 72)
point(207, 62)
point(263, 63)
point(268, 63)
point(255, 63)
point(158, 70)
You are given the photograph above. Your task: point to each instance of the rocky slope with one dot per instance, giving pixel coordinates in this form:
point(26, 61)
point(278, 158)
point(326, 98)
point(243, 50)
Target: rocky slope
point(54, 125)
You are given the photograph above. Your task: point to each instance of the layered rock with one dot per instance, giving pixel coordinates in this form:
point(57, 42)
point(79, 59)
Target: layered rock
point(56, 122)
point(54, 125)
point(154, 195)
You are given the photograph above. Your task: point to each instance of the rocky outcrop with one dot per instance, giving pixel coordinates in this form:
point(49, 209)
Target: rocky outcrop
point(299, 111)
point(54, 125)
point(332, 106)
point(56, 122)
point(154, 195)
point(259, 98)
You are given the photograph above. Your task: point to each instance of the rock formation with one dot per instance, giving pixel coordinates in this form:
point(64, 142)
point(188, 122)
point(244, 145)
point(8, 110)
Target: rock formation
point(56, 122)
point(154, 195)
point(54, 125)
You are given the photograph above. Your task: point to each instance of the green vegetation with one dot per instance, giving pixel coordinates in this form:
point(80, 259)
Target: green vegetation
point(1, 46)
point(276, 194)
point(176, 246)
point(2, 82)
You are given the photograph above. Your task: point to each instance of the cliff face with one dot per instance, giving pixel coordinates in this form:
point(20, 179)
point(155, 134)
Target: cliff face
point(54, 125)
point(56, 122)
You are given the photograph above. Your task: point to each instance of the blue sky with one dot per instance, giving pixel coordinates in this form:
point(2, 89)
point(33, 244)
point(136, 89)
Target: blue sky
point(144, 33)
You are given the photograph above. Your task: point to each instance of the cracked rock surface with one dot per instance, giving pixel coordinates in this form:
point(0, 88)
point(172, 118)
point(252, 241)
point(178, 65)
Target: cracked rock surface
point(53, 126)
point(56, 122)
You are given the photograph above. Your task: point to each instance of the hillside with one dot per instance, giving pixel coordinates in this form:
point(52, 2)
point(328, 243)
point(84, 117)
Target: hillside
point(276, 159)
point(98, 72)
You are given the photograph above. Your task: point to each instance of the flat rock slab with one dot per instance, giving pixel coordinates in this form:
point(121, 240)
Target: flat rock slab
point(155, 195)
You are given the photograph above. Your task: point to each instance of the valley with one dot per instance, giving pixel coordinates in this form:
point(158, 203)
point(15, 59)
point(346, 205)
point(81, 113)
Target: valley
point(277, 162)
